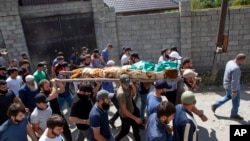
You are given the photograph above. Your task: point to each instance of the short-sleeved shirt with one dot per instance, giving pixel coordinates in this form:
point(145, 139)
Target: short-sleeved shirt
point(14, 84)
point(39, 75)
point(5, 101)
point(156, 131)
point(105, 55)
point(40, 117)
point(81, 108)
point(125, 59)
point(99, 119)
point(14, 132)
point(45, 138)
point(125, 97)
point(152, 103)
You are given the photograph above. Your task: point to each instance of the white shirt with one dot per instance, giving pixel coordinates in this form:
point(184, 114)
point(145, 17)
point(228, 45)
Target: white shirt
point(45, 138)
point(124, 59)
point(14, 84)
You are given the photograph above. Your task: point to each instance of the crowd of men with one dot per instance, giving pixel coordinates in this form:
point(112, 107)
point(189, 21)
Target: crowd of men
point(32, 103)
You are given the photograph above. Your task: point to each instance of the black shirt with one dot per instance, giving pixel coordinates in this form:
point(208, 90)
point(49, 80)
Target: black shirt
point(81, 108)
point(5, 101)
point(54, 105)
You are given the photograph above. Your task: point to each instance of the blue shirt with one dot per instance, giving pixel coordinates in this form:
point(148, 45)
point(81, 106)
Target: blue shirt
point(105, 55)
point(156, 131)
point(98, 118)
point(28, 97)
point(184, 124)
point(13, 132)
point(152, 103)
point(108, 86)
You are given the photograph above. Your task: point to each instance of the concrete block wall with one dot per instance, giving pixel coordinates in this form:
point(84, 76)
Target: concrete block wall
point(148, 34)
point(11, 28)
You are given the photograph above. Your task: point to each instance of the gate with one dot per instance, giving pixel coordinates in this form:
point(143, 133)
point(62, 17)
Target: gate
point(48, 35)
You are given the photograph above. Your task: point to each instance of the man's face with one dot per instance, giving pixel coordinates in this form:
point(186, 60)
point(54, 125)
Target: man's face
point(31, 82)
point(42, 105)
point(168, 118)
point(19, 117)
point(15, 73)
point(87, 61)
point(190, 64)
point(14, 63)
point(109, 48)
point(85, 51)
point(3, 87)
point(57, 131)
point(46, 87)
point(3, 72)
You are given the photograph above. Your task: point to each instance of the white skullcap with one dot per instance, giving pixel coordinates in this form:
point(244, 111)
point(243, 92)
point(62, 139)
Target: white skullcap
point(111, 62)
point(29, 78)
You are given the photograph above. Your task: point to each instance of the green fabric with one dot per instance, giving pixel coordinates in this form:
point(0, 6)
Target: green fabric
point(166, 65)
point(143, 65)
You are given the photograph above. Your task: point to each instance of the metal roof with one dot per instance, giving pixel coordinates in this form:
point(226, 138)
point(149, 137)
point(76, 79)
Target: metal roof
point(123, 6)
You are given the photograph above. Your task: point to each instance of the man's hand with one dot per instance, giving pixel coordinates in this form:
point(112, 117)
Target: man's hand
point(169, 128)
point(138, 121)
point(233, 95)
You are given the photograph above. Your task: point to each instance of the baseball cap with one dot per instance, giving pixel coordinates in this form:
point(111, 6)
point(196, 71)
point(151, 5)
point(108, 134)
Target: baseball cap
point(85, 48)
point(111, 62)
point(128, 49)
point(102, 94)
point(187, 97)
point(41, 98)
point(175, 54)
point(86, 88)
point(135, 55)
point(124, 78)
point(189, 73)
point(29, 78)
point(162, 84)
point(3, 68)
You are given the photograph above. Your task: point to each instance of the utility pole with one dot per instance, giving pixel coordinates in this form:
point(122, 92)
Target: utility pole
point(219, 41)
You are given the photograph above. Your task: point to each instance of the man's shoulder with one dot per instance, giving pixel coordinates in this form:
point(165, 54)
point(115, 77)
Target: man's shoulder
point(4, 126)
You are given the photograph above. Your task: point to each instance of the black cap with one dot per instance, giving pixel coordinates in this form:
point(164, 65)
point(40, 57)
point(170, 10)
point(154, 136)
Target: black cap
point(128, 49)
point(161, 84)
point(13, 69)
point(60, 58)
point(24, 54)
point(96, 51)
point(41, 64)
point(85, 48)
point(3, 68)
point(65, 64)
point(135, 55)
point(86, 88)
point(41, 98)
point(59, 53)
point(174, 48)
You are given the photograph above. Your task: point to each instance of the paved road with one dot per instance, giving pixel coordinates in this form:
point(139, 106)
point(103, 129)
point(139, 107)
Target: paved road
point(217, 126)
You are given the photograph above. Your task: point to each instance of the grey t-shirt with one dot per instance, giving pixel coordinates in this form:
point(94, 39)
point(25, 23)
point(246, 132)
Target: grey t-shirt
point(125, 97)
point(40, 116)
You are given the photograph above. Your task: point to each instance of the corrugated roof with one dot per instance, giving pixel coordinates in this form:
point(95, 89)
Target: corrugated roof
point(123, 6)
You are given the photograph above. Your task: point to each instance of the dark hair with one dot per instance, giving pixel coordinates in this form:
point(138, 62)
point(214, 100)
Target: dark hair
point(86, 88)
point(240, 56)
point(165, 108)
point(55, 121)
point(2, 82)
point(42, 82)
point(25, 61)
point(163, 51)
point(14, 109)
point(186, 61)
point(110, 45)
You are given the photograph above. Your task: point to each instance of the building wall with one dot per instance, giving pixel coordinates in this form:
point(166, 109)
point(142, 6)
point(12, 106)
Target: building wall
point(193, 32)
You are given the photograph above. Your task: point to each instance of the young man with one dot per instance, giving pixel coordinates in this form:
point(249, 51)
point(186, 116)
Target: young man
point(80, 110)
point(128, 111)
point(54, 129)
point(156, 126)
point(14, 82)
point(164, 56)
point(40, 114)
point(3, 73)
point(184, 124)
point(40, 73)
point(52, 93)
point(126, 56)
point(17, 126)
point(231, 83)
point(98, 117)
point(105, 52)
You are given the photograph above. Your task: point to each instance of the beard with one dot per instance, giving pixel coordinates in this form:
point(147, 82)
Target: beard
point(54, 133)
point(105, 106)
point(163, 93)
point(18, 121)
point(46, 92)
point(4, 92)
point(33, 87)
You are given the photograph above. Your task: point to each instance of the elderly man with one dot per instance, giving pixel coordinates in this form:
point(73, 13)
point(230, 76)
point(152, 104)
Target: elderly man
point(28, 92)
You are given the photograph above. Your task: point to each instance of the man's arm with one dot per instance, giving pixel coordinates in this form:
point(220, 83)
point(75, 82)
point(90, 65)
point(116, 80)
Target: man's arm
point(77, 120)
point(31, 132)
point(129, 114)
point(97, 87)
point(37, 129)
point(97, 135)
point(53, 93)
point(199, 113)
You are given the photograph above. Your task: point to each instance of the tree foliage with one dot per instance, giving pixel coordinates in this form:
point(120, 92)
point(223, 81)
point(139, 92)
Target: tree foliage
point(202, 4)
